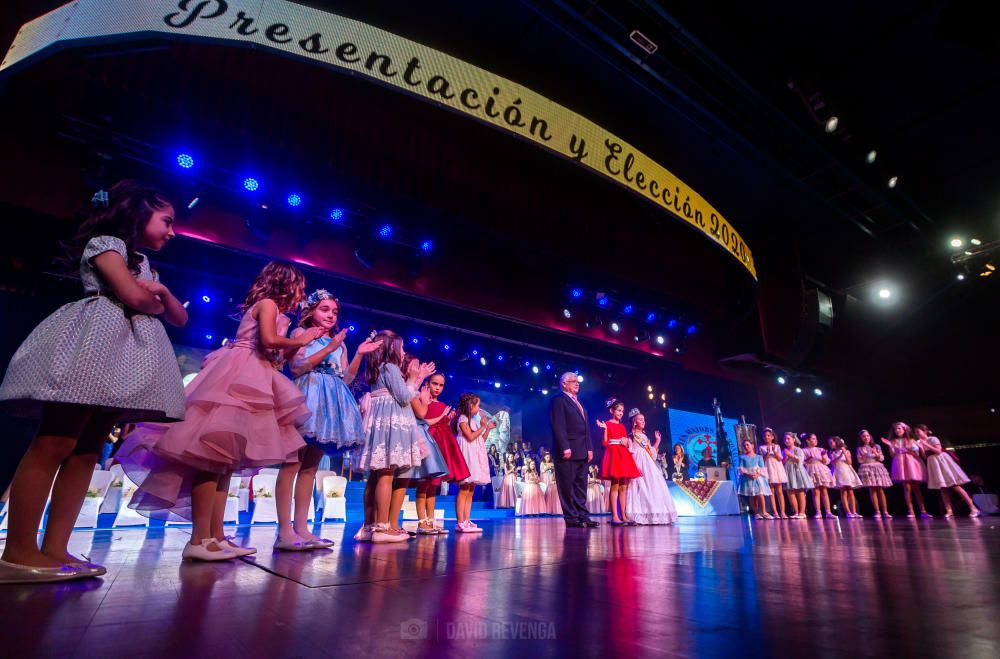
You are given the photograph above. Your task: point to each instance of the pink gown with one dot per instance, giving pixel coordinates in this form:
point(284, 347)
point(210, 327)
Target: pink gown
point(242, 415)
point(553, 506)
point(508, 488)
point(532, 499)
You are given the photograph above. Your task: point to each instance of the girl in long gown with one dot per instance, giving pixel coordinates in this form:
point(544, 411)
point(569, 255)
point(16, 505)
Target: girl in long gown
point(649, 500)
point(532, 499)
point(508, 487)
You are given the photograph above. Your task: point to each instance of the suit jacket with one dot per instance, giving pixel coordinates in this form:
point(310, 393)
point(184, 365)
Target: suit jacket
point(570, 430)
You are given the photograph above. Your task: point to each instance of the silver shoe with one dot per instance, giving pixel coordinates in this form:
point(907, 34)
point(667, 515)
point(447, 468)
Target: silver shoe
point(14, 573)
point(322, 543)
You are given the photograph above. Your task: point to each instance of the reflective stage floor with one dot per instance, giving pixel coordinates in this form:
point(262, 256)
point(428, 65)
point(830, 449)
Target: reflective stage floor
point(705, 587)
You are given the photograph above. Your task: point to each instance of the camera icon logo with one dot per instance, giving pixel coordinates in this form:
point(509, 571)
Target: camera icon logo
point(413, 629)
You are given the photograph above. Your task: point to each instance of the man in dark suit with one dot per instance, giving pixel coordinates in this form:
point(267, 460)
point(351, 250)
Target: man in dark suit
point(571, 451)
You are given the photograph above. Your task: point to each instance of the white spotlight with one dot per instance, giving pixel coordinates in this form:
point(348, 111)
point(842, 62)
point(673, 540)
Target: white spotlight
point(818, 391)
point(976, 241)
point(545, 392)
point(567, 313)
point(579, 378)
point(781, 379)
point(798, 390)
point(884, 293)
point(482, 361)
point(534, 369)
point(893, 181)
point(615, 327)
point(956, 242)
point(961, 277)
point(870, 158)
point(497, 385)
point(831, 124)
point(660, 340)
point(649, 387)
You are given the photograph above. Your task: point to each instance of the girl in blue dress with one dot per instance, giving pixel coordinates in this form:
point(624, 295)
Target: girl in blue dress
point(322, 373)
point(753, 480)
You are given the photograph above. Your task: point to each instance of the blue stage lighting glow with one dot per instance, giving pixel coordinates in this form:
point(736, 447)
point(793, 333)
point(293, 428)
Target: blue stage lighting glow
point(385, 231)
point(336, 214)
point(415, 341)
point(351, 328)
point(650, 317)
point(628, 309)
point(446, 347)
point(205, 298)
point(577, 293)
point(534, 369)
point(185, 160)
point(251, 184)
point(427, 245)
point(500, 358)
point(692, 329)
point(497, 385)
point(208, 336)
point(548, 367)
point(603, 302)
point(672, 324)
point(527, 363)
point(294, 200)
point(475, 353)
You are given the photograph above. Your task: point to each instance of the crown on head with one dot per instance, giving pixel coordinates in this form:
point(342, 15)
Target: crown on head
point(634, 412)
point(316, 297)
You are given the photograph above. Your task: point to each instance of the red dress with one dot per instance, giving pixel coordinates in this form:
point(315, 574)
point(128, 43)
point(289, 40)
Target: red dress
point(458, 470)
point(618, 461)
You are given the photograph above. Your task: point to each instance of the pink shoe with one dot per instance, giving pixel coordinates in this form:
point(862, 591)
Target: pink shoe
point(364, 534)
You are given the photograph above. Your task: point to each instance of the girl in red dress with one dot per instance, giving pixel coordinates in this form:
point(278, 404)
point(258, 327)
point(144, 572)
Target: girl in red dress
point(439, 418)
point(617, 466)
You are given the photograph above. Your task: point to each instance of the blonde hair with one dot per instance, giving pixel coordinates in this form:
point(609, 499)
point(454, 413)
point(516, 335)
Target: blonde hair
point(281, 282)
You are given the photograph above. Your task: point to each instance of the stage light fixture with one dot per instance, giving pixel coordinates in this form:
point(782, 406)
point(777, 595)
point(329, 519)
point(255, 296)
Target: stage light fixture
point(884, 293)
point(660, 340)
point(482, 361)
point(567, 314)
point(831, 124)
point(818, 391)
point(603, 301)
point(497, 385)
point(193, 202)
point(651, 396)
point(534, 369)
point(385, 231)
point(893, 181)
point(206, 299)
point(251, 184)
point(692, 329)
point(336, 214)
point(415, 341)
point(798, 390)
point(956, 242)
point(649, 387)
point(651, 317)
point(294, 200)
point(976, 241)
point(628, 309)
point(615, 327)
point(208, 336)
point(446, 347)
point(872, 155)
point(664, 406)
point(576, 293)
point(961, 277)
point(185, 160)
point(475, 353)
point(527, 363)
point(545, 392)
point(672, 324)
point(548, 367)
point(351, 328)
point(427, 246)
point(781, 379)
point(500, 357)
point(663, 396)
point(579, 378)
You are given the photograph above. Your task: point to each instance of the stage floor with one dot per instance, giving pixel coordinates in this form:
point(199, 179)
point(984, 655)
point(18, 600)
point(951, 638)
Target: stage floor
point(705, 587)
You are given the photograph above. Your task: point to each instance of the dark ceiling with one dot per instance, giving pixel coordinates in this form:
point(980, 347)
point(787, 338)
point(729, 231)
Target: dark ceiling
point(915, 80)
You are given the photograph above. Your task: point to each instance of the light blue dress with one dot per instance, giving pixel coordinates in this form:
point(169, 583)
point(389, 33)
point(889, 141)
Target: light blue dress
point(394, 439)
point(335, 423)
point(753, 486)
point(434, 465)
point(798, 477)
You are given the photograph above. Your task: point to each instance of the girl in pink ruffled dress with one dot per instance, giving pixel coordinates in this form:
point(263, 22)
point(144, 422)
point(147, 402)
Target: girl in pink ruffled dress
point(242, 415)
point(817, 466)
point(907, 465)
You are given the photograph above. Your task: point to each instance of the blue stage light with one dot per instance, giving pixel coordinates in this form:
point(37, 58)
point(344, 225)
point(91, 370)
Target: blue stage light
point(577, 293)
point(385, 231)
point(692, 329)
point(497, 385)
point(548, 367)
point(500, 357)
point(294, 200)
point(603, 302)
point(208, 336)
point(351, 328)
point(185, 160)
point(672, 324)
point(415, 341)
point(446, 347)
point(527, 363)
point(651, 317)
point(628, 309)
point(336, 214)
point(206, 299)
point(427, 245)
point(475, 353)
point(251, 184)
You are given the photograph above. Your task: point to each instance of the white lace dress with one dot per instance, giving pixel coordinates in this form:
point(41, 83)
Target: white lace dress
point(649, 500)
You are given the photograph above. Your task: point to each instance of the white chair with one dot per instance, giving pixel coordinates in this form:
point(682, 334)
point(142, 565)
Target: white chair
point(113, 497)
point(244, 493)
point(334, 495)
point(100, 482)
point(232, 512)
point(126, 516)
point(265, 510)
point(318, 494)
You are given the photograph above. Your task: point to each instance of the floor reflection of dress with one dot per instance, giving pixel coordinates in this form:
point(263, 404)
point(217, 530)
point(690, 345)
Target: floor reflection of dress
point(532, 499)
point(595, 494)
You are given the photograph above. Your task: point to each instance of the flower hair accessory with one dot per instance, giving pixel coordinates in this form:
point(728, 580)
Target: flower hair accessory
point(316, 297)
point(100, 200)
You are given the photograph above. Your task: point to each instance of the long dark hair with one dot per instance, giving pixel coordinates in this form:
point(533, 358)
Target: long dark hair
point(390, 352)
point(130, 205)
point(465, 403)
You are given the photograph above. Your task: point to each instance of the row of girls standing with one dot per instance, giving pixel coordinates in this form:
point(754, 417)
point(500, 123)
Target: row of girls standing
point(796, 470)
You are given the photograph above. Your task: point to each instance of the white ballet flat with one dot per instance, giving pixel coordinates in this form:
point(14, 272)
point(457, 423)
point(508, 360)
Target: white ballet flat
point(14, 573)
point(364, 534)
point(201, 552)
point(322, 543)
point(383, 536)
point(300, 545)
point(227, 543)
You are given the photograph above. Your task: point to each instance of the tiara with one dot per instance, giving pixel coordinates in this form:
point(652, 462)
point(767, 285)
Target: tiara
point(100, 200)
point(634, 412)
point(611, 402)
point(316, 297)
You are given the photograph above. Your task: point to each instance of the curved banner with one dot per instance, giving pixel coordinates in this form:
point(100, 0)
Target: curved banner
point(367, 51)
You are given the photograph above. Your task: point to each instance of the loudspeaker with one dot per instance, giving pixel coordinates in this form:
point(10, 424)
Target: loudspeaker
point(815, 328)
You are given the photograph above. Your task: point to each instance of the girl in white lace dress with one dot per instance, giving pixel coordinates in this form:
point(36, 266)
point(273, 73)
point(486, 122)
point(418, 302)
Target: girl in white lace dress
point(649, 501)
point(943, 472)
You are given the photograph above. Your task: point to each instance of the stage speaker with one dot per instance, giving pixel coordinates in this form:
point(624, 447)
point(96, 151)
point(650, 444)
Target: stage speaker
point(815, 328)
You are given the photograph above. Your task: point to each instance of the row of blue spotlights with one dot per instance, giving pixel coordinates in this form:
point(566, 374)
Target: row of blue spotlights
point(628, 310)
point(295, 200)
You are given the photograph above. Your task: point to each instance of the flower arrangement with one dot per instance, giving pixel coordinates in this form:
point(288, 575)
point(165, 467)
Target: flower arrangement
point(263, 494)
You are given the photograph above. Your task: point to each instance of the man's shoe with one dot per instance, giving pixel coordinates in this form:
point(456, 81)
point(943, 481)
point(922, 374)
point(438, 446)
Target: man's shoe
point(591, 523)
point(576, 525)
